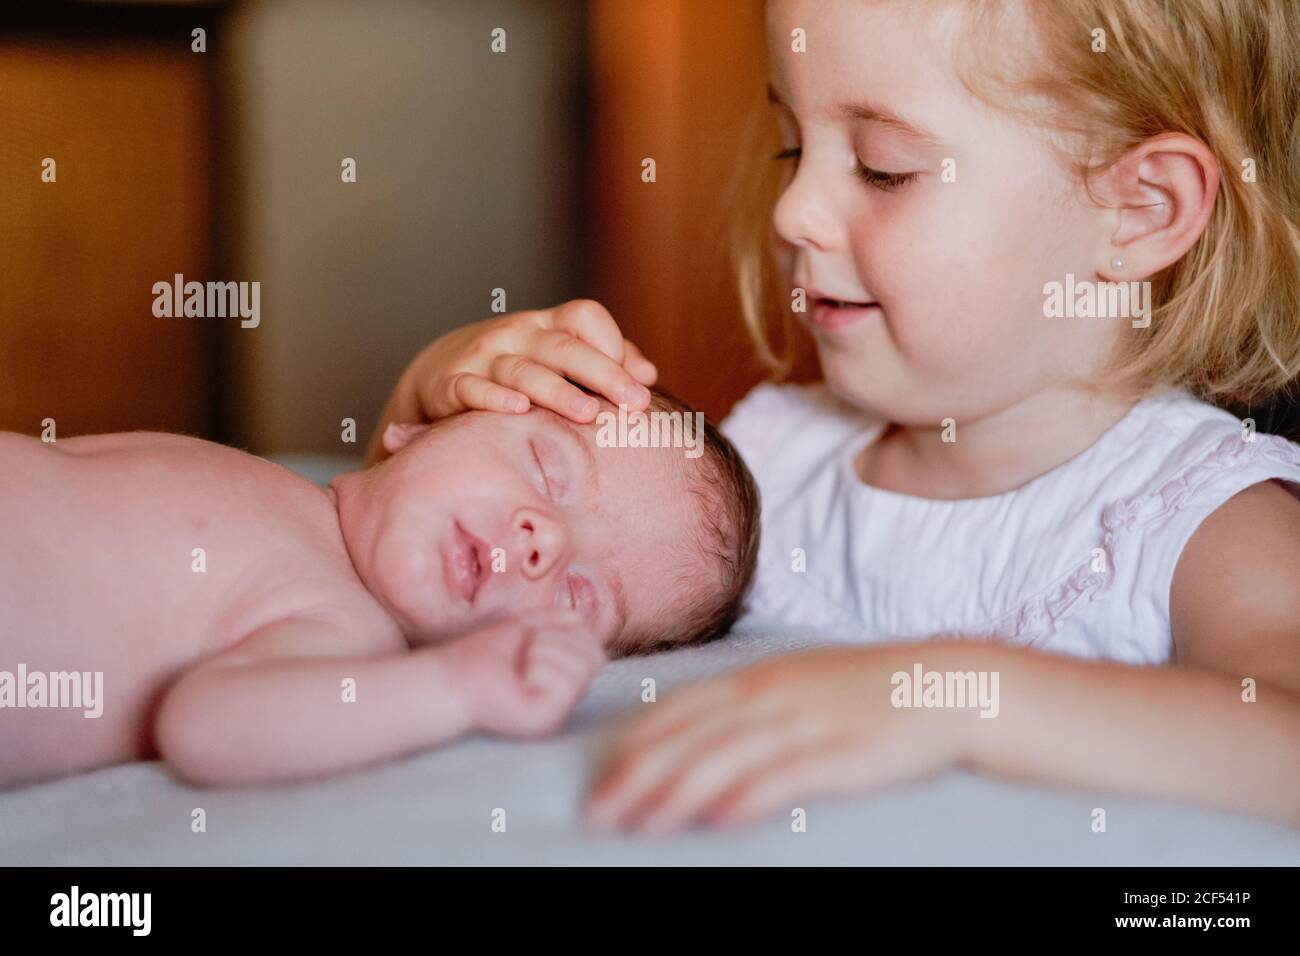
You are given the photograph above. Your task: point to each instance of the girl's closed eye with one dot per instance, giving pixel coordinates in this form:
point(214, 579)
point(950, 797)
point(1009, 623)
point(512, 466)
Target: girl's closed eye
point(876, 178)
point(879, 178)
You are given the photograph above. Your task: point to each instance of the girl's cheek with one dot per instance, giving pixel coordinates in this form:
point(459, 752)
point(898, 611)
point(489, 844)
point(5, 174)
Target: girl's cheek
point(889, 257)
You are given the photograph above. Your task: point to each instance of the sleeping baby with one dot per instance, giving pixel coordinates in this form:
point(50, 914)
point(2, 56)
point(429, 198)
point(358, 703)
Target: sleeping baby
point(166, 596)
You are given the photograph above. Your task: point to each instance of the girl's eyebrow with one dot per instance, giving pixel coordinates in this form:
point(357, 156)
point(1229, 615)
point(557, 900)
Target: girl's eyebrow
point(870, 113)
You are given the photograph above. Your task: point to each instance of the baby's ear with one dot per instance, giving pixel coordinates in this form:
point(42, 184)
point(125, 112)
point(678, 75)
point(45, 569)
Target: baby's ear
point(400, 434)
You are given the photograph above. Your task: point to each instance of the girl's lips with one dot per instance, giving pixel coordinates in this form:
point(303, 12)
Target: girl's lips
point(830, 314)
point(462, 566)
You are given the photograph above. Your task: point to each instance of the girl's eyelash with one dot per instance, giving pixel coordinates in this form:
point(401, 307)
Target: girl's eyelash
point(880, 179)
point(876, 178)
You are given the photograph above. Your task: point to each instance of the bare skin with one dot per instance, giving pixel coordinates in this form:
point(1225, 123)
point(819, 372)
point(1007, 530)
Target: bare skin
point(956, 269)
point(737, 748)
point(951, 276)
point(233, 665)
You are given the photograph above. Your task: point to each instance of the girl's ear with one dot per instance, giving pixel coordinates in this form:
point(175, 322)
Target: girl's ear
point(400, 434)
point(1163, 191)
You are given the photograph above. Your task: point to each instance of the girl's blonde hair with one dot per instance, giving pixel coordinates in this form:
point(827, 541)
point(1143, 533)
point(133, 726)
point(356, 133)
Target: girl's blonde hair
point(1226, 317)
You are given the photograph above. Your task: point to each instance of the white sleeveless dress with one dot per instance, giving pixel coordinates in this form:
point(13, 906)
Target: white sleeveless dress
point(1077, 561)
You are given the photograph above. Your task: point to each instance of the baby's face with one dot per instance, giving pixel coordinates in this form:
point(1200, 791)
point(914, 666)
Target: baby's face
point(487, 515)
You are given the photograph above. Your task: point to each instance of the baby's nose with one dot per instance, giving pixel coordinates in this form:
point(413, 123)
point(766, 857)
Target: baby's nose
point(541, 541)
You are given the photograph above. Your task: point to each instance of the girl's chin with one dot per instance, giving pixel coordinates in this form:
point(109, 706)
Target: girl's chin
point(857, 383)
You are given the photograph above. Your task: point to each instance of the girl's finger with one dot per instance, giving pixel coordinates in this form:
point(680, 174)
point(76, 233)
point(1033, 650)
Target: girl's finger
point(467, 391)
point(544, 387)
point(632, 777)
point(711, 771)
point(782, 784)
point(588, 366)
point(676, 713)
point(590, 321)
point(634, 361)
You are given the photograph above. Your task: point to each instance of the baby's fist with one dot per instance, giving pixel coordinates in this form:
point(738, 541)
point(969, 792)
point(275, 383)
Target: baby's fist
point(523, 677)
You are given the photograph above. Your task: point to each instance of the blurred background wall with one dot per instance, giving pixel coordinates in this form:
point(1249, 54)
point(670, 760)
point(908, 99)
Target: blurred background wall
point(467, 179)
point(474, 170)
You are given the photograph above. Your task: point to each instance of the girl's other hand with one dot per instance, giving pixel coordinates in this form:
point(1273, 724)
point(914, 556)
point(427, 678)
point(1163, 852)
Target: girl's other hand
point(733, 749)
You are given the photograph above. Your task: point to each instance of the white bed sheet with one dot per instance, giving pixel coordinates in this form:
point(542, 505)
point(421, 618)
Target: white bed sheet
point(437, 808)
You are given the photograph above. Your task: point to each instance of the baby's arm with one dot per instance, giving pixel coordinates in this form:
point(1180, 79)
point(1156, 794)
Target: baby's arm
point(276, 706)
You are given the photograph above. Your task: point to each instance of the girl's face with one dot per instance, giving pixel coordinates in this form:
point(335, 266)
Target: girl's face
point(881, 122)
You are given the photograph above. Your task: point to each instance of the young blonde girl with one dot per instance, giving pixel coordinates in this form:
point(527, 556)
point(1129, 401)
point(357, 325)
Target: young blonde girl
point(981, 484)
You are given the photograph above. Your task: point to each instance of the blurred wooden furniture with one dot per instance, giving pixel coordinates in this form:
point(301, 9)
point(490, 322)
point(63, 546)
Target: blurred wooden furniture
point(673, 80)
point(127, 115)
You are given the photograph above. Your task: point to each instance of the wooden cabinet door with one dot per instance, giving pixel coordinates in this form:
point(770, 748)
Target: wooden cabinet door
point(128, 123)
point(675, 81)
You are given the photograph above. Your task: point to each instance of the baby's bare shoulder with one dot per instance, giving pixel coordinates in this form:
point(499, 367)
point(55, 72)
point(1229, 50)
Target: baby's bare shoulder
point(211, 539)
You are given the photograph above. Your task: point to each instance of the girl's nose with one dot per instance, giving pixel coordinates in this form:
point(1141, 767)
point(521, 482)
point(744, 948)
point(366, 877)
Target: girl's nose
point(540, 541)
point(804, 215)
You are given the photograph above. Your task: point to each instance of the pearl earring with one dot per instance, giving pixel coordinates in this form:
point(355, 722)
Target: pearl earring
point(1117, 264)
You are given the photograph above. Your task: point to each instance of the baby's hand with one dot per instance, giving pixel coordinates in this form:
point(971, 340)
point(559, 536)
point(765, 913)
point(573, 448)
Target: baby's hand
point(506, 363)
point(523, 677)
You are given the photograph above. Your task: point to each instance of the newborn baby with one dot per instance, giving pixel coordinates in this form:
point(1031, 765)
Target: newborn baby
point(250, 626)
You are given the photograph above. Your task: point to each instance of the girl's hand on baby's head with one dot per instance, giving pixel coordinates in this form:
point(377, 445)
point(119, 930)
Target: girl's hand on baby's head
point(731, 750)
point(509, 363)
point(524, 676)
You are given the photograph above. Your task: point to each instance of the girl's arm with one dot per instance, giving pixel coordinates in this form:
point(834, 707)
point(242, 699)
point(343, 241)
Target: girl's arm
point(1222, 727)
point(762, 740)
point(1234, 604)
point(296, 699)
point(1165, 732)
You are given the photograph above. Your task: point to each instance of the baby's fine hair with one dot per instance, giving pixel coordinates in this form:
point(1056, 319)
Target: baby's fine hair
point(1226, 317)
point(728, 503)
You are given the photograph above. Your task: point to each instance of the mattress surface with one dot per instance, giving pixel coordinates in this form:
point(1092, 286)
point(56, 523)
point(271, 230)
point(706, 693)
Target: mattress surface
point(438, 808)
